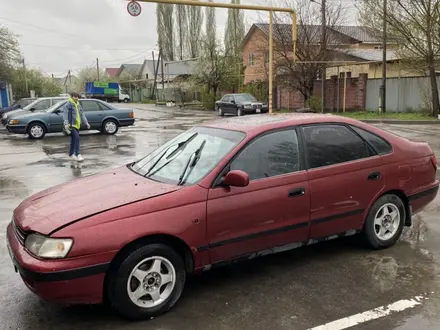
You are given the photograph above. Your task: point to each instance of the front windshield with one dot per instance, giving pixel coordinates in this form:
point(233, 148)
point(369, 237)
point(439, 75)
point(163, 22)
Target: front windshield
point(24, 103)
point(30, 105)
point(174, 161)
point(245, 98)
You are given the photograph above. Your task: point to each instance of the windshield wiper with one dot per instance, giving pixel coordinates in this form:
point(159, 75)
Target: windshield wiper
point(180, 146)
point(192, 161)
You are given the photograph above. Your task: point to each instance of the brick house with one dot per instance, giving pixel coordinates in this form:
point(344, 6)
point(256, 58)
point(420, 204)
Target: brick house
point(344, 43)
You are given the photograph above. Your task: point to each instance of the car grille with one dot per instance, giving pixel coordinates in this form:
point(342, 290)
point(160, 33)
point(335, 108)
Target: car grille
point(20, 233)
point(257, 106)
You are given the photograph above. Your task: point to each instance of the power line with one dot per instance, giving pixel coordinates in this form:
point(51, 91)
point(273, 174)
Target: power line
point(76, 48)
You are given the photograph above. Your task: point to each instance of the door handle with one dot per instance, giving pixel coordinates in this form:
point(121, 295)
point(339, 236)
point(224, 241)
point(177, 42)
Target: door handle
point(374, 176)
point(297, 192)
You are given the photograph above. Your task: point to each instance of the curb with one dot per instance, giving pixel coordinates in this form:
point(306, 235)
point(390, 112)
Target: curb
point(402, 122)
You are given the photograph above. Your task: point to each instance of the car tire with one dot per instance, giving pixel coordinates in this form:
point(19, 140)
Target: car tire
point(125, 100)
point(36, 131)
point(239, 112)
point(110, 127)
point(385, 221)
point(220, 112)
point(154, 264)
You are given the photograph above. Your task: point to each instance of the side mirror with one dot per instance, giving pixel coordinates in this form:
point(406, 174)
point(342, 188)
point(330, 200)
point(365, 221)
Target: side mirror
point(233, 102)
point(236, 178)
point(32, 109)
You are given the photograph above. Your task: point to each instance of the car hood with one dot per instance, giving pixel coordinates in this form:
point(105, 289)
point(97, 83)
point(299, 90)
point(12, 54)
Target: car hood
point(250, 103)
point(21, 113)
point(61, 205)
point(8, 109)
point(27, 115)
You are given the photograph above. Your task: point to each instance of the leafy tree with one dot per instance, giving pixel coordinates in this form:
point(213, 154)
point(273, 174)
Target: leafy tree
point(42, 84)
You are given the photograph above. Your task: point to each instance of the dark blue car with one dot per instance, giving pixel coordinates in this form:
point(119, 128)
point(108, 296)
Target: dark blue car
point(101, 116)
point(17, 105)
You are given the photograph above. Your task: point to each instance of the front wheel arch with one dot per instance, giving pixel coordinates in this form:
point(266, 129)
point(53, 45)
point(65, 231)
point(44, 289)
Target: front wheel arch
point(172, 241)
point(36, 122)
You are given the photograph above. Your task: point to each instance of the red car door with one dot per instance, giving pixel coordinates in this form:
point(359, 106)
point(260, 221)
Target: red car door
point(345, 178)
point(272, 211)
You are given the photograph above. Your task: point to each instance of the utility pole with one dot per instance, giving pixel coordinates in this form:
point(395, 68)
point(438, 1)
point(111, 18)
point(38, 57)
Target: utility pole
point(25, 78)
point(383, 86)
point(324, 52)
point(163, 82)
point(97, 67)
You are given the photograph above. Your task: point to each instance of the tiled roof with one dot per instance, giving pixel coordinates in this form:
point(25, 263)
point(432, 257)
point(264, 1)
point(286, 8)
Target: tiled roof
point(133, 69)
point(312, 33)
point(112, 72)
point(361, 33)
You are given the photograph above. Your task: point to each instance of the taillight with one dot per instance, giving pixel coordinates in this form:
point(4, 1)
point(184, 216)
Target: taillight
point(131, 115)
point(434, 162)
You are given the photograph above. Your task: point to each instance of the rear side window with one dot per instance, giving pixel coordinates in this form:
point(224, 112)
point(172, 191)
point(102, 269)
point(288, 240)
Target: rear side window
point(381, 146)
point(333, 144)
point(270, 155)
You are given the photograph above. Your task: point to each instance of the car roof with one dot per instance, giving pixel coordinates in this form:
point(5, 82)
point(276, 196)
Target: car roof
point(264, 122)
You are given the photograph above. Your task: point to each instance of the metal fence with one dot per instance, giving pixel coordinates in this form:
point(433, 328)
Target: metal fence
point(403, 94)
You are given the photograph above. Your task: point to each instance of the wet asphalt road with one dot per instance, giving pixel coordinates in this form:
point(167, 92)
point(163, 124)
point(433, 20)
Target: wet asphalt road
point(300, 289)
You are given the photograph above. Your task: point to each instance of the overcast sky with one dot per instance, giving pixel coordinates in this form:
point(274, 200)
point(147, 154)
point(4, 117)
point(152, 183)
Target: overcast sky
point(58, 35)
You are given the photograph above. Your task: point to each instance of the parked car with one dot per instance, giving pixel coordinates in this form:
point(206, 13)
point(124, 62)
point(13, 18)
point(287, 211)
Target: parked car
point(221, 192)
point(101, 116)
point(40, 104)
point(239, 105)
point(17, 105)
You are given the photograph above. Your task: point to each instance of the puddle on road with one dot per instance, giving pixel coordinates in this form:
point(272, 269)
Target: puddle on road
point(10, 188)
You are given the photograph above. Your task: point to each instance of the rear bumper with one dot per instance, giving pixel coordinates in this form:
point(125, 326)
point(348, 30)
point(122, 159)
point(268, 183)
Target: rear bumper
point(16, 129)
point(126, 122)
point(74, 281)
point(420, 199)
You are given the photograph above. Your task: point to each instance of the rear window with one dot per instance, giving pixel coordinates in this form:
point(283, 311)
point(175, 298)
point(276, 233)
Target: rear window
point(381, 146)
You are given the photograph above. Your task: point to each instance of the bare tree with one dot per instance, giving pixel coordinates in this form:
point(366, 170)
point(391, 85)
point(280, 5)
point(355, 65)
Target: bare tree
point(301, 76)
point(195, 22)
point(211, 33)
point(9, 53)
point(181, 26)
point(234, 32)
point(416, 25)
point(164, 13)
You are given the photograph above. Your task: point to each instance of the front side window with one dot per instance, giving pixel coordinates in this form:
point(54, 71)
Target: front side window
point(270, 155)
point(333, 144)
point(189, 157)
point(381, 146)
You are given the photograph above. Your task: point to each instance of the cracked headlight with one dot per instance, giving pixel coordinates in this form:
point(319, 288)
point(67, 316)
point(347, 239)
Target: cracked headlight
point(46, 247)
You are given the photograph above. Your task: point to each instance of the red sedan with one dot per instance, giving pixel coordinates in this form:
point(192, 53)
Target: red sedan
point(221, 192)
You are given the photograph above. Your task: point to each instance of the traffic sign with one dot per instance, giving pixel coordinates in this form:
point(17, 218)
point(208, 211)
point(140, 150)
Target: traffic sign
point(134, 8)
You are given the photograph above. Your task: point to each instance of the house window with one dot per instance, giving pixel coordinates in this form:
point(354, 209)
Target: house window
point(266, 57)
point(251, 59)
point(342, 74)
point(378, 47)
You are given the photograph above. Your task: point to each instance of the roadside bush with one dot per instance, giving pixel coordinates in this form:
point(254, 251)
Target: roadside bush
point(208, 100)
point(314, 104)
